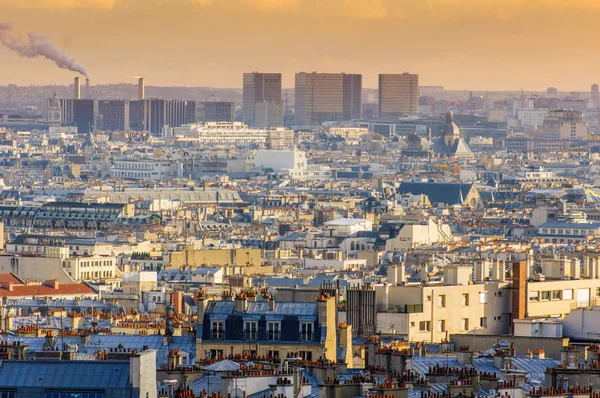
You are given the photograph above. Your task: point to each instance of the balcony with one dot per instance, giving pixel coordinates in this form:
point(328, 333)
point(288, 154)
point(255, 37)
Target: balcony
point(402, 309)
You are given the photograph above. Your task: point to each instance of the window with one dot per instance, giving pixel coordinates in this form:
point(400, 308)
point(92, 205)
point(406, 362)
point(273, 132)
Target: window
point(306, 355)
point(424, 326)
point(306, 331)
point(412, 324)
point(216, 354)
point(218, 330)
point(442, 300)
point(273, 354)
point(427, 298)
point(598, 292)
point(273, 330)
point(483, 297)
point(545, 296)
point(464, 324)
point(62, 394)
point(8, 394)
point(483, 322)
point(556, 294)
point(534, 296)
point(465, 300)
point(442, 325)
point(250, 330)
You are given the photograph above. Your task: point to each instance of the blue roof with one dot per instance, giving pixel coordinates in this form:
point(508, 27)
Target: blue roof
point(438, 192)
point(65, 374)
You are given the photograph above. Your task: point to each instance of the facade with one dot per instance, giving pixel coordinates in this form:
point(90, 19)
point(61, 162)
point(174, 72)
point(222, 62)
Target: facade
point(264, 89)
point(113, 115)
point(323, 97)
point(231, 133)
point(398, 94)
point(209, 111)
point(278, 160)
point(145, 169)
point(564, 125)
point(531, 117)
point(91, 268)
point(267, 328)
point(268, 114)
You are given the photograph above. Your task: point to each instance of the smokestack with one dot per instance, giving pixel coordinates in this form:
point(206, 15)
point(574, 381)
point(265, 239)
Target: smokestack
point(141, 93)
point(77, 88)
point(87, 88)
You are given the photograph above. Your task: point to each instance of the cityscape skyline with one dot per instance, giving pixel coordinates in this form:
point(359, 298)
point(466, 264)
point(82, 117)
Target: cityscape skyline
point(454, 43)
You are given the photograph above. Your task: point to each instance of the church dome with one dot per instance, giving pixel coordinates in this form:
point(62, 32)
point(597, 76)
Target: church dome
point(450, 128)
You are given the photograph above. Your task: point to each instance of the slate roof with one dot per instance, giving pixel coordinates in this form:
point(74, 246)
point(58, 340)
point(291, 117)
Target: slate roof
point(65, 374)
point(438, 192)
point(262, 307)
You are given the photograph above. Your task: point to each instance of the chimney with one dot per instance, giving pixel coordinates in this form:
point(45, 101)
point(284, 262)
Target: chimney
point(77, 88)
point(519, 291)
point(141, 93)
point(76, 321)
point(53, 283)
point(87, 88)
point(241, 302)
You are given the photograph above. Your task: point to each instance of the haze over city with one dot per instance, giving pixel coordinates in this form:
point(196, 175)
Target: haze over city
point(460, 44)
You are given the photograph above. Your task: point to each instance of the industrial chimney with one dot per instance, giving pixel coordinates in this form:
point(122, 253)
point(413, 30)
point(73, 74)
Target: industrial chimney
point(87, 88)
point(77, 88)
point(141, 93)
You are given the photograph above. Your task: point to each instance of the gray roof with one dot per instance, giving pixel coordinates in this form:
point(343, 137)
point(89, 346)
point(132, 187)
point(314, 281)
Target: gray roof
point(438, 192)
point(65, 374)
point(574, 225)
point(262, 307)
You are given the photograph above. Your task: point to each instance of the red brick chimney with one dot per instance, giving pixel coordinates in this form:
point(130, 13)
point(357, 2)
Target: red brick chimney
point(519, 289)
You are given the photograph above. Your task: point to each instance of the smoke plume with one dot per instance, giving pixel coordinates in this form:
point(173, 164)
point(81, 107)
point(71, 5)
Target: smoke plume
point(39, 46)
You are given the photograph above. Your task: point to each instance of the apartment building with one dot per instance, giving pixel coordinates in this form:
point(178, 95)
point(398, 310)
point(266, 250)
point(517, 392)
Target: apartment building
point(268, 328)
point(91, 268)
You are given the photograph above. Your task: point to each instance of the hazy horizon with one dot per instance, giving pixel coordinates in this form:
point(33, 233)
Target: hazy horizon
point(493, 45)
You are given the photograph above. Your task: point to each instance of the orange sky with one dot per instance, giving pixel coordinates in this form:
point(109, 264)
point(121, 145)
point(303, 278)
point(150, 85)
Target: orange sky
point(460, 44)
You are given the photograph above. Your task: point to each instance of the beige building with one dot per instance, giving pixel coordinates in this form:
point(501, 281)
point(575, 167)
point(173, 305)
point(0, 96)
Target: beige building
point(398, 94)
point(91, 268)
point(432, 312)
point(209, 257)
point(564, 125)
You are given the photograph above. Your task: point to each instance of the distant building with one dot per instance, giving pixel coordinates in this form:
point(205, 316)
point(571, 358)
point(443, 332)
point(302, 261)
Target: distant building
point(327, 97)
point(113, 115)
point(398, 94)
point(263, 89)
point(595, 96)
point(209, 111)
point(564, 125)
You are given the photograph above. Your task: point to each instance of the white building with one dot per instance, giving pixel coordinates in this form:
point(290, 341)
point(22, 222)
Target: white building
point(146, 169)
point(231, 133)
point(531, 117)
point(278, 160)
point(348, 226)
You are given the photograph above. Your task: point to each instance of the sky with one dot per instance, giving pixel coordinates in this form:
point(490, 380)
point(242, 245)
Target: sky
point(458, 44)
